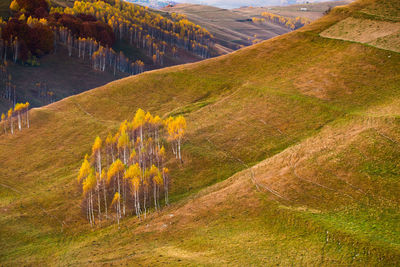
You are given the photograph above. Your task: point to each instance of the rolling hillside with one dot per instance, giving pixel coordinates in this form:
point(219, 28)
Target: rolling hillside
point(313, 10)
point(291, 158)
point(231, 29)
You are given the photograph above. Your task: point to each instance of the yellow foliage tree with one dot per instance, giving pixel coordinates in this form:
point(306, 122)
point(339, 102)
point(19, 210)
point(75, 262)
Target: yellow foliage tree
point(18, 109)
point(9, 116)
point(14, 6)
point(138, 121)
point(84, 170)
point(176, 130)
point(115, 172)
point(133, 175)
point(116, 201)
point(88, 185)
point(3, 121)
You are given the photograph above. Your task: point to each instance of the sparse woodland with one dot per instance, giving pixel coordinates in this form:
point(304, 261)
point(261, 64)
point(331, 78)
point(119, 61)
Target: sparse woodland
point(290, 23)
point(126, 173)
point(16, 118)
point(152, 32)
point(89, 31)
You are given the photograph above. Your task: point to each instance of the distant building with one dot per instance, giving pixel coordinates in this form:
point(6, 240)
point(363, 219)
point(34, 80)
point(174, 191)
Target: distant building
point(303, 9)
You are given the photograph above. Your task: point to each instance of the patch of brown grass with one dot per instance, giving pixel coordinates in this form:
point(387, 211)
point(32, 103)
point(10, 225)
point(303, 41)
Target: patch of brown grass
point(381, 34)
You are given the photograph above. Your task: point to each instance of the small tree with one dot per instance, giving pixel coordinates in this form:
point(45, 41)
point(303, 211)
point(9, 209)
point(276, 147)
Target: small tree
point(88, 185)
point(9, 116)
point(104, 181)
point(116, 202)
point(18, 110)
point(176, 130)
point(123, 144)
point(180, 126)
point(96, 153)
point(115, 173)
point(14, 6)
point(157, 183)
point(138, 122)
point(27, 113)
point(84, 170)
point(109, 148)
point(165, 174)
point(133, 174)
point(3, 121)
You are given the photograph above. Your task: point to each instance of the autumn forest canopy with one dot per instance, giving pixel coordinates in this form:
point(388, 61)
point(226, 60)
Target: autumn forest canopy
point(36, 28)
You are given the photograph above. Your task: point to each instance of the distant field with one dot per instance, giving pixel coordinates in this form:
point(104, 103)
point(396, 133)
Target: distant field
point(314, 11)
point(230, 28)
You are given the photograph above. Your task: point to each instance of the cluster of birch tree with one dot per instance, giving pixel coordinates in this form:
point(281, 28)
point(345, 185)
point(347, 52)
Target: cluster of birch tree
point(9, 49)
point(290, 23)
point(147, 30)
point(19, 115)
point(101, 58)
point(125, 173)
point(89, 29)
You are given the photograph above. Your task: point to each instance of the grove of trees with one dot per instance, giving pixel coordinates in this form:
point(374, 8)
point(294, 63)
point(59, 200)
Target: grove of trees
point(145, 29)
point(290, 23)
point(89, 31)
point(126, 173)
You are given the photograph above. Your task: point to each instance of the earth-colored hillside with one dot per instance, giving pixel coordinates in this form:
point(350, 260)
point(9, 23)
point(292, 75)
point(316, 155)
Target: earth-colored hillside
point(291, 158)
point(231, 29)
point(374, 25)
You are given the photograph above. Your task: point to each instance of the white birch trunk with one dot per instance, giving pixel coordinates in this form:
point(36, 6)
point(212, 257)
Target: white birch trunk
point(19, 121)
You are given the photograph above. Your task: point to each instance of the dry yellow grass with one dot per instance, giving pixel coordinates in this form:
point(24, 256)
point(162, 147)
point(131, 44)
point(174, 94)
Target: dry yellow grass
point(381, 34)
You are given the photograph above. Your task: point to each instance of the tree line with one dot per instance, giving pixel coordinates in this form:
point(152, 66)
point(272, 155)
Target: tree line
point(19, 116)
point(91, 28)
point(101, 58)
point(126, 173)
point(146, 29)
point(290, 23)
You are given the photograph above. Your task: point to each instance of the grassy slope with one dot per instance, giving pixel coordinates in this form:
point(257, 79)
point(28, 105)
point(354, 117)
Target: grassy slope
point(377, 24)
point(254, 104)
